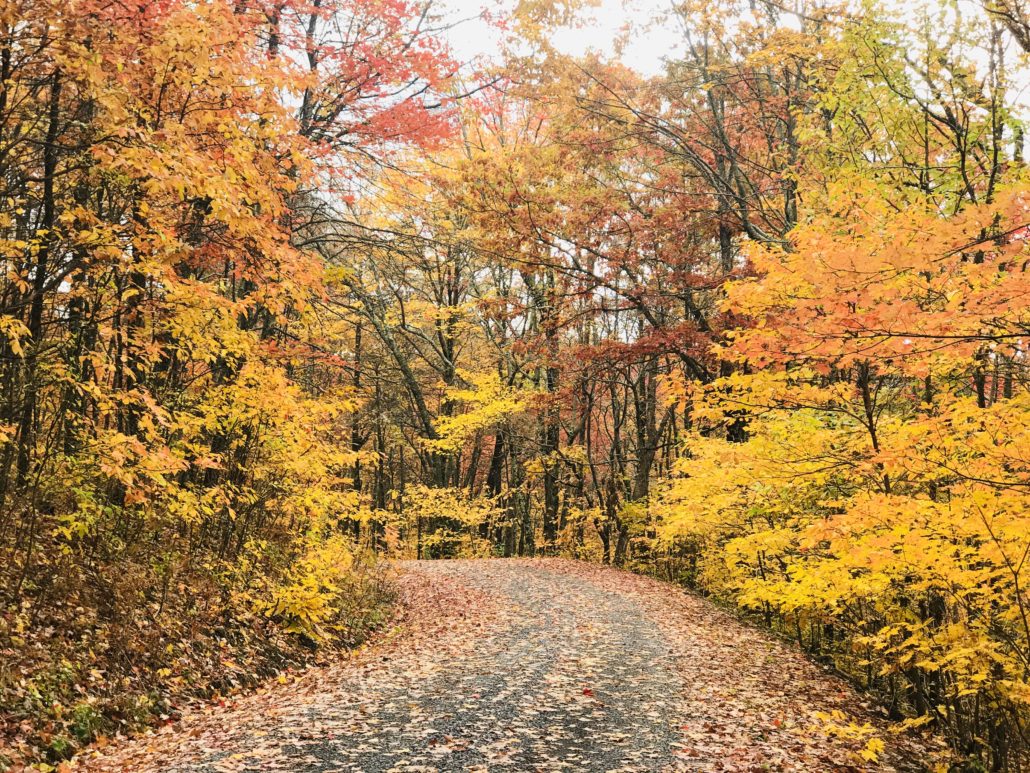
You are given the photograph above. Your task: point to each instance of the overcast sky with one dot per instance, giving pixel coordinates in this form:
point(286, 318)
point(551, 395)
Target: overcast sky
point(648, 43)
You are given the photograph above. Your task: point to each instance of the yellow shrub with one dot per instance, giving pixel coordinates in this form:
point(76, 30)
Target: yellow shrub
point(308, 597)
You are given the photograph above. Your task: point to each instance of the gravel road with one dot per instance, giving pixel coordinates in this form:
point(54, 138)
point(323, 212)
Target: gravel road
point(538, 665)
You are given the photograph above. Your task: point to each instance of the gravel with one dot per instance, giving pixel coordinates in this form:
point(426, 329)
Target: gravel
point(537, 665)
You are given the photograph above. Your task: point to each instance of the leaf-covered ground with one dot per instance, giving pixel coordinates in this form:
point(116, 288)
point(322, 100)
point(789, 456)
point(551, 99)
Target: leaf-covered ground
point(538, 665)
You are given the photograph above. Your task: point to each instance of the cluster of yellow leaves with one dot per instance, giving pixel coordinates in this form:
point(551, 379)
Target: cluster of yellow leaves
point(837, 724)
point(308, 597)
point(486, 402)
point(927, 579)
point(456, 517)
point(431, 502)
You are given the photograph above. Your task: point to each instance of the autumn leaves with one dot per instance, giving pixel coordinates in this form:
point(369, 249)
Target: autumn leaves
point(878, 510)
point(274, 295)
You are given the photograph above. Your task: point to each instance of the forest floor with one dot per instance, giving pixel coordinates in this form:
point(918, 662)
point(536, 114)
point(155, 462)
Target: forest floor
point(538, 665)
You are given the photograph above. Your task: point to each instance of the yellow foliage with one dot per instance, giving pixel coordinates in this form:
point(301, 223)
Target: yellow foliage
point(487, 402)
point(308, 597)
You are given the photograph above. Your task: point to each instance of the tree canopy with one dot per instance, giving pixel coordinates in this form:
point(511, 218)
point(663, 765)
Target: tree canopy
point(288, 286)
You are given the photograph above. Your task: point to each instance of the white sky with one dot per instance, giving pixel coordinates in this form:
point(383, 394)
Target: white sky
point(647, 45)
point(649, 42)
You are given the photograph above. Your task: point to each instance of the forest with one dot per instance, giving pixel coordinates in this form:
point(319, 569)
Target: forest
point(290, 289)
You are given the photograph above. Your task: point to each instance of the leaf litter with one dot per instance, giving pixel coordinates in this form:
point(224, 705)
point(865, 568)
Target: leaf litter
point(538, 665)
